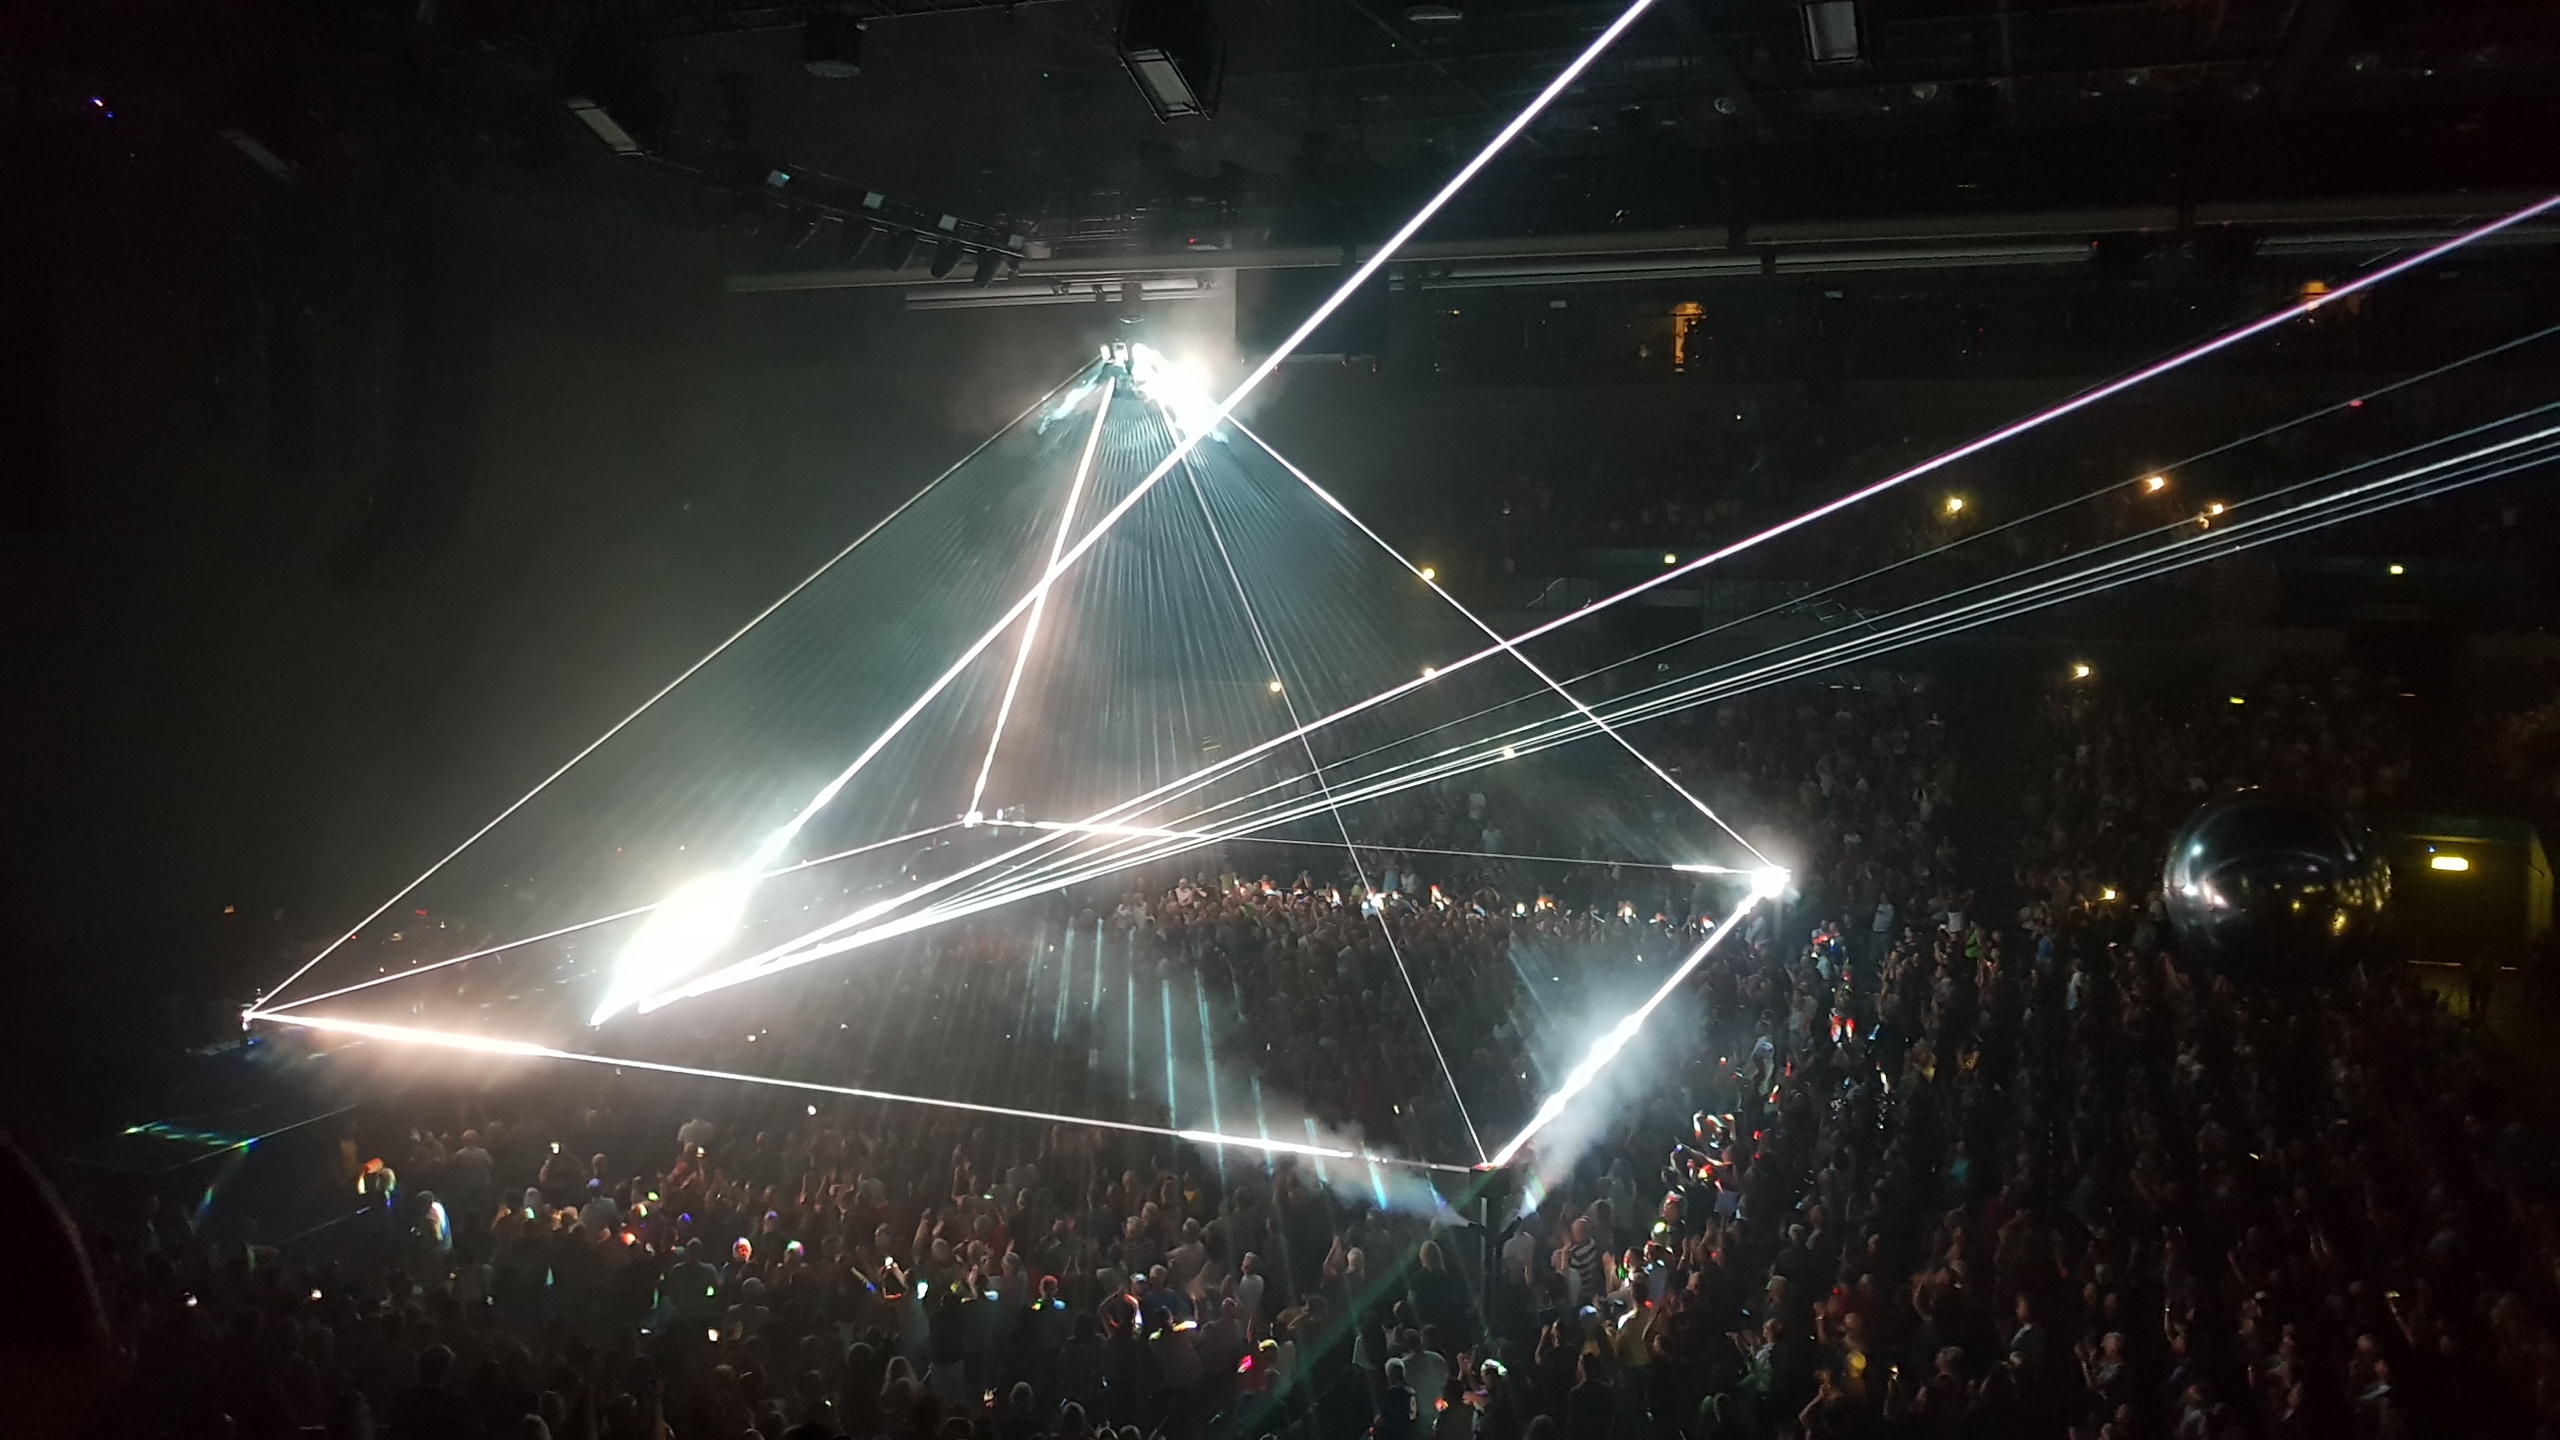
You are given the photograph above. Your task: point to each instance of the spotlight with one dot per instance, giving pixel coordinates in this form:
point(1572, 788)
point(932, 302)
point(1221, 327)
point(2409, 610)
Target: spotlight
point(2107, 893)
point(2239, 699)
point(2155, 483)
point(1670, 559)
point(1428, 573)
point(831, 45)
point(2082, 671)
point(989, 262)
point(2214, 509)
point(902, 248)
point(2455, 864)
point(2399, 569)
point(1955, 504)
point(946, 258)
point(1273, 687)
point(1430, 670)
point(1769, 882)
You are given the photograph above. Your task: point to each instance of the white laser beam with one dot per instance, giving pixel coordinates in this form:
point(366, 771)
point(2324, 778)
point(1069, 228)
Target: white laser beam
point(527, 1050)
point(1031, 621)
point(668, 689)
point(1605, 1051)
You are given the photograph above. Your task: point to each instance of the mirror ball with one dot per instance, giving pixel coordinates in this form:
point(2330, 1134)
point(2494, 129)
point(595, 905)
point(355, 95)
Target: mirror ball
point(2264, 887)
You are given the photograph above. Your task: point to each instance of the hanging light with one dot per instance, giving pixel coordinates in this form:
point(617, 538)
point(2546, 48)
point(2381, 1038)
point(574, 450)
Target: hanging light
point(831, 45)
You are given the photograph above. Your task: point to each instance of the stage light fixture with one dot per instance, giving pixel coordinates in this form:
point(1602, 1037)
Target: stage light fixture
point(1955, 504)
point(2082, 671)
point(831, 45)
point(589, 113)
point(1173, 51)
point(901, 249)
point(2451, 864)
point(990, 262)
point(265, 159)
point(946, 258)
point(1428, 573)
point(855, 240)
point(1831, 32)
point(2399, 569)
point(2155, 483)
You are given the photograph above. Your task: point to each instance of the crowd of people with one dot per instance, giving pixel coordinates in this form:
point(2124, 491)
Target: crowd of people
point(1902, 1170)
point(2521, 746)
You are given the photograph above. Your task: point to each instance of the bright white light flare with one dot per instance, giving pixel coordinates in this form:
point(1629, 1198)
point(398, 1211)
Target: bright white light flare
point(1606, 1049)
point(1179, 387)
point(677, 939)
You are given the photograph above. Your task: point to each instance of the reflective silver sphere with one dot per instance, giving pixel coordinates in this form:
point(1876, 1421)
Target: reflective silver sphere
point(2275, 888)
